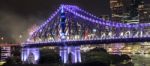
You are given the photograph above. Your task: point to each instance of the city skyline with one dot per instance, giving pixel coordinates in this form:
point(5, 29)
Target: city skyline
point(111, 32)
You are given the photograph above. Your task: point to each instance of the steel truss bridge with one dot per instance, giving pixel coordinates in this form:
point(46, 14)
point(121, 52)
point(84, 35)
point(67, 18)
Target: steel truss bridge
point(70, 26)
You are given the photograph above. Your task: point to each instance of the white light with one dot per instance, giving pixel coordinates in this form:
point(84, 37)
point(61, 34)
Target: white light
point(94, 30)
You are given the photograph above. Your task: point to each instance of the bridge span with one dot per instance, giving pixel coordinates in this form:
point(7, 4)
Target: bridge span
point(70, 26)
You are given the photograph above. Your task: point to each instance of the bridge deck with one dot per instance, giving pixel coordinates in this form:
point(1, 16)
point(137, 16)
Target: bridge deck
point(88, 42)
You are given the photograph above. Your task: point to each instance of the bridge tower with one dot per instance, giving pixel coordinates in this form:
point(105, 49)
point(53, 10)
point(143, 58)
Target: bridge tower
point(68, 54)
point(30, 55)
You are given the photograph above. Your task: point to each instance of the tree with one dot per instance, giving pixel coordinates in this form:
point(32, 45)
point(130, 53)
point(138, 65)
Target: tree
point(97, 55)
point(115, 59)
point(49, 56)
point(125, 57)
point(99, 50)
point(9, 61)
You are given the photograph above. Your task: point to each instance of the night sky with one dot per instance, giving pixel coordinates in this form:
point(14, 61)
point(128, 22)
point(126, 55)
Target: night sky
point(147, 1)
point(16, 16)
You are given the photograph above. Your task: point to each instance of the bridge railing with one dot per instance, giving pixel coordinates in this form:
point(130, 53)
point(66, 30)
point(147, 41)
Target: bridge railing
point(104, 36)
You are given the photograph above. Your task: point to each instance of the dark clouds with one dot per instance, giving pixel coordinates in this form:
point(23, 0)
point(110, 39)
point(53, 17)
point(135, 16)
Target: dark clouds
point(16, 16)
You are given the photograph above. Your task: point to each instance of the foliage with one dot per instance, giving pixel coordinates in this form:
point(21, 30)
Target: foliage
point(99, 50)
point(125, 57)
point(97, 55)
point(96, 63)
point(115, 59)
point(101, 55)
point(49, 56)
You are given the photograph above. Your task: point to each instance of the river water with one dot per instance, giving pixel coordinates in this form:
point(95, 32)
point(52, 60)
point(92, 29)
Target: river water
point(141, 59)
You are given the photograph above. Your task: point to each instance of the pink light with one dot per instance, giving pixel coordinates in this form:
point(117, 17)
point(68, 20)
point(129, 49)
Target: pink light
point(32, 29)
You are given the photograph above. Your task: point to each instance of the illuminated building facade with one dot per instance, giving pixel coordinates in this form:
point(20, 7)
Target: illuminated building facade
point(116, 9)
point(144, 13)
point(5, 53)
point(126, 10)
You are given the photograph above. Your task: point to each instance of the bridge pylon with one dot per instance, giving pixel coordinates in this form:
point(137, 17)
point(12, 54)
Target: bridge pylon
point(30, 55)
point(68, 54)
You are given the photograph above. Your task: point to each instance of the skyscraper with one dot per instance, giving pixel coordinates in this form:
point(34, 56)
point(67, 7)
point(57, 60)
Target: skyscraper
point(144, 12)
point(125, 10)
point(116, 9)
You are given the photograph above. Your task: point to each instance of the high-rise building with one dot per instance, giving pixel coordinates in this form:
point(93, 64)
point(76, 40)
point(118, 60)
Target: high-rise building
point(125, 10)
point(116, 9)
point(145, 13)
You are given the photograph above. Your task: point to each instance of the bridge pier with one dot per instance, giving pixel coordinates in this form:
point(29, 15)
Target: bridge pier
point(30, 55)
point(70, 54)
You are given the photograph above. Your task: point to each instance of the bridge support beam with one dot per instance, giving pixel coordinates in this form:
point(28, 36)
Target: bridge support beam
point(70, 54)
point(30, 55)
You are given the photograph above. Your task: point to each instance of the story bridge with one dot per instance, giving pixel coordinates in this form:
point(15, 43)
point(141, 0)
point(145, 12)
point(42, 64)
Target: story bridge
point(70, 26)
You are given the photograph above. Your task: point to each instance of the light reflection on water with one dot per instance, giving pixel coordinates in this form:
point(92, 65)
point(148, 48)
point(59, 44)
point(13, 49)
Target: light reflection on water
point(138, 60)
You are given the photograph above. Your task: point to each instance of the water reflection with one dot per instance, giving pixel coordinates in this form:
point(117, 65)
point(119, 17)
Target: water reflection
point(140, 59)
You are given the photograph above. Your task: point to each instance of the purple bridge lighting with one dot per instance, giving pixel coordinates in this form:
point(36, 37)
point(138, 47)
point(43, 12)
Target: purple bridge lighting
point(70, 26)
